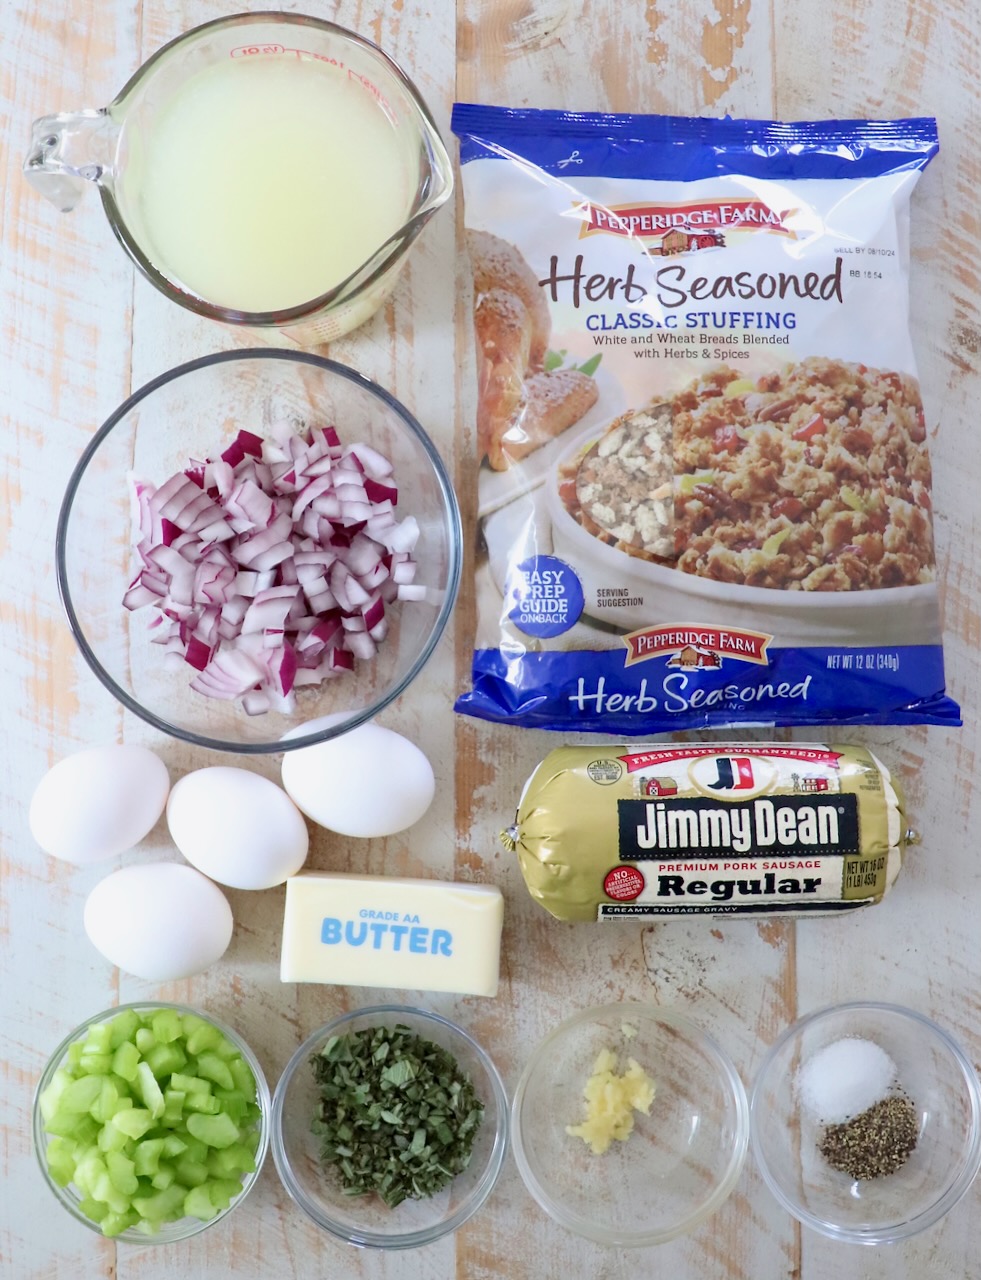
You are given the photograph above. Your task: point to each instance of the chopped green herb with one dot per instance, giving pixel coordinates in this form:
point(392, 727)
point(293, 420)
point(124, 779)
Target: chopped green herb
point(589, 367)
point(397, 1116)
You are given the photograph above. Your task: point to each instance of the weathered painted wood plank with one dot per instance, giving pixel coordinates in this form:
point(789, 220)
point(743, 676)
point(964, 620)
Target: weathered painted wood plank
point(79, 333)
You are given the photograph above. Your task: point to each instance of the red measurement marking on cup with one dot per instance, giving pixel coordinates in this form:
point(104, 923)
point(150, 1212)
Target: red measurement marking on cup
point(249, 50)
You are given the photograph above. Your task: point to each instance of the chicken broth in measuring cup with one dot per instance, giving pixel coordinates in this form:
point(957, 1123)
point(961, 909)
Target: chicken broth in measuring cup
point(267, 180)
point(267, 170)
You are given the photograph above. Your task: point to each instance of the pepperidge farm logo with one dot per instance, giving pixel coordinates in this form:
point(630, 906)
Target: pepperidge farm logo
point(696, 648)
point(670, 229)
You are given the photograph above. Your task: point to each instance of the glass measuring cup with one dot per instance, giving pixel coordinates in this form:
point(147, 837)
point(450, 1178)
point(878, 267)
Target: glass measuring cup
point(268, 170)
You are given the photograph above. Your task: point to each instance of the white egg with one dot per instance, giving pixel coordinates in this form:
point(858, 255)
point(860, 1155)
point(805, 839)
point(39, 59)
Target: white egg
point(237, 827)
point(160, 921)
point(96, 804)
point(369, 782)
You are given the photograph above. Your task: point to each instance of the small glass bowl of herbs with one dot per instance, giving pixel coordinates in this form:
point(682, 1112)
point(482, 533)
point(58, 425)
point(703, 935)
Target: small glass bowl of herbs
point(389, 1127)
point(865, 1121)
point(151, 1122)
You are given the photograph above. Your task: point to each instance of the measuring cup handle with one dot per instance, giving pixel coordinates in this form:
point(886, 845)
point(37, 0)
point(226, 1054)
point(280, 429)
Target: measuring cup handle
point(67, 151)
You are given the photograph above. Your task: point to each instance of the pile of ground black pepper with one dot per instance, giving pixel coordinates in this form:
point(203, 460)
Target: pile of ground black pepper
point(875, 1143)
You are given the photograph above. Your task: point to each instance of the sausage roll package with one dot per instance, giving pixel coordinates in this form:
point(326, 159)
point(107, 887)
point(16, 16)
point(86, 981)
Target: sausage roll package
point(608, 833)
point(703, 485)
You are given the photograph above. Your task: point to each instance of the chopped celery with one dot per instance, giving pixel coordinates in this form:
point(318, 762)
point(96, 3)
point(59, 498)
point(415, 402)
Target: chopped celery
point(79, 1096)
point(189, 1084)
point(163, 1205)
point(151, 1117)
point(163, 1059)
point(233, 1103)
point(737, 387)
point(52, 1094)
point(243, 1077)
point(687, 482)
point(68, 1124)
point(88, 1172)
point(851, 499)
point(203, 1038)
point(213, 1068)
point(125, 1060)
point(196, 1149)
point(95, 1064)
point(61, 1161)
point(146, 1156)
point(112, 1138)
point(149, 1089)
point(123, 1027)
point(216, 1131)
point(228, 1161)
point(166, 1025)
point(165, 1176)
point(191, 1173)
point(173, 1107)
point(145, 1039)
point(107, 1103)
point(98, 1038)
point(93, 1209)
point(105, 1192)
point(122, 1172)
point(133, 1121)
point(203, 1103)
point(772, 544)
point(198, 1204)
point(190, 1022)
point(113, 1224)
point(223, 1191)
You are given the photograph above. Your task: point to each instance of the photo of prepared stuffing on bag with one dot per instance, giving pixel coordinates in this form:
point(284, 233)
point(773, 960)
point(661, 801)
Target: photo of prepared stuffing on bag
point(620, 487)
point(811, 478)
point(526, 397)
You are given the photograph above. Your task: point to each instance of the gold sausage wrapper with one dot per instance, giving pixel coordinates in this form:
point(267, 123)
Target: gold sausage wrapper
point(716, 829)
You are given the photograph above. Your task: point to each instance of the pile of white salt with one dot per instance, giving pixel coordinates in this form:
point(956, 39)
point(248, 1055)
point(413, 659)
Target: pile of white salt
point(844, 1079)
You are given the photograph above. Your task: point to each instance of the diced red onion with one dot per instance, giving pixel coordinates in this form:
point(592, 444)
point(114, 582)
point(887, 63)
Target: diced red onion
point(378, 493)
point(270, 567)
point(374, 464)
point(361, 645)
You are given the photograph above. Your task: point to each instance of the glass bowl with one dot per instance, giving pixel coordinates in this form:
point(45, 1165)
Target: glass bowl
point(70, 1196)
point(195, 411)
point(366, 1221)
point(937, 1077)
point(680, 1163)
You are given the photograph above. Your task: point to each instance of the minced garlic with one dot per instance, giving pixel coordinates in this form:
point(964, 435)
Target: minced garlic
point(611, 1100)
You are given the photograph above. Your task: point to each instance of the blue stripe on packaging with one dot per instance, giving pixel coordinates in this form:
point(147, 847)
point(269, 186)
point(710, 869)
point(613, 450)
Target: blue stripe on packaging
point(592, 691)
point(689, 148)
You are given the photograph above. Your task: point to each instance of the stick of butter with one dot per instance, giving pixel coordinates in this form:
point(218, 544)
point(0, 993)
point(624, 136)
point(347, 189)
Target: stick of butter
point(380, 931)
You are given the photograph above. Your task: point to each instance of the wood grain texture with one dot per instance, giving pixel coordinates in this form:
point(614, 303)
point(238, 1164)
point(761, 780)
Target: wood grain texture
point(79, 333)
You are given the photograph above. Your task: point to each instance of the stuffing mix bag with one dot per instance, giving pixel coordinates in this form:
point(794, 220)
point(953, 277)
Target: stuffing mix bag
point(704, 488)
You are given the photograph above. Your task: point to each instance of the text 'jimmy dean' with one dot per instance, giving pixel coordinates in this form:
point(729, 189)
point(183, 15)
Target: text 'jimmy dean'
point(792, 824)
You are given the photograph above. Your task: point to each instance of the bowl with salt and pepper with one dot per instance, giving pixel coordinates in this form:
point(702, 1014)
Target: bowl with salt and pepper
point(865, 1121)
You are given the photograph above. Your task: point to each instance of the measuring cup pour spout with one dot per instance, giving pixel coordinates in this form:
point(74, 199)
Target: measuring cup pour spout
point(67, 151)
